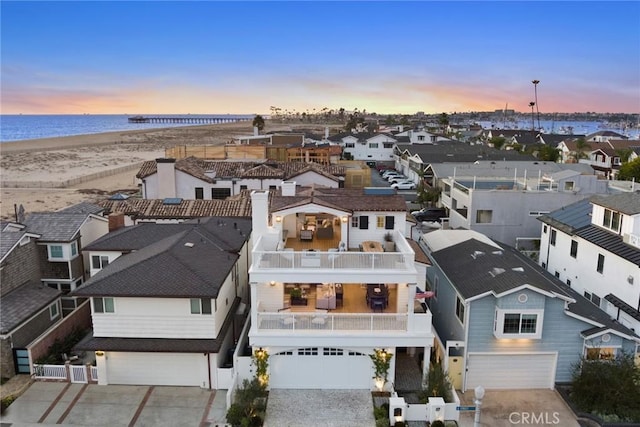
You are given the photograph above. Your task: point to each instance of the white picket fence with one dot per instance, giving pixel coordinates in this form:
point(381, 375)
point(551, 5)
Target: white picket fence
point(76, 373)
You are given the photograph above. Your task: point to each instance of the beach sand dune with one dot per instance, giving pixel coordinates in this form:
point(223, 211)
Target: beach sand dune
point(92, 167)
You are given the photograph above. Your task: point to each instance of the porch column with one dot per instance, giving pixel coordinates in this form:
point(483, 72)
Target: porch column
point(426, 362)
point(254, 303)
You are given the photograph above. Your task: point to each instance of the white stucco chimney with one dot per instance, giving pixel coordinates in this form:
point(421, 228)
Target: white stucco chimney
point(260, 213)
point(326, 132)
point(256, 131)
point(288, 188)
point(166, 178)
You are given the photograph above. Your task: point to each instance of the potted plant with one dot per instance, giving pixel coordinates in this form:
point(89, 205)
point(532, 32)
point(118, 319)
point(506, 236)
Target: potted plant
point(389, 245)
point(296, 297)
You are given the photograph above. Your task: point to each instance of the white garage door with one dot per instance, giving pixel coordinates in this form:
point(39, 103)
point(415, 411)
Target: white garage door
point(511, 371)
point(155, 369)
point(320, 368)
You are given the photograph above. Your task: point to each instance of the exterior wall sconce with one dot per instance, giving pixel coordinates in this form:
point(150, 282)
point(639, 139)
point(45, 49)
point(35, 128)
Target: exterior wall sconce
point(345, 219)
point(99, 353)
point(272, 283)
point(278, 218)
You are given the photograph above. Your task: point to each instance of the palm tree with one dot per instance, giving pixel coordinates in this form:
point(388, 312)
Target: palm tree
point(535, 90)
point(258, 121)
point(581, 146)
point(533, 124)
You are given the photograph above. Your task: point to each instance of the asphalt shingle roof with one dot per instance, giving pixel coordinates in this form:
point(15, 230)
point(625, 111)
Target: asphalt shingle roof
point(8, 239)
point(623, 306)
point(627, 203)
point(55, 226)
point(610, 242)
point(191, 261)
point(456, 151)
point(84, 208)
point(21, 303)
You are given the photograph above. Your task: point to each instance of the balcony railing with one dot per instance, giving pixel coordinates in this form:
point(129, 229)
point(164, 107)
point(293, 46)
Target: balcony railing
point(332, 260)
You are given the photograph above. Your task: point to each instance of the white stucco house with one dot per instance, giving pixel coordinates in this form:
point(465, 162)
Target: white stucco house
point(167, 301)
point(594, 247)
point(358, 296)
point(195, 179)
point(366, 146)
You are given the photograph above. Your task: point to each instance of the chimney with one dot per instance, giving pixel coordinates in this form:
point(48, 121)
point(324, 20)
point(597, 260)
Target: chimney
point(288, 188)
point(326, 132)
point(116, 221)
point(166, 178)
point(256, 131)
point(260, 213)
point(401, 128)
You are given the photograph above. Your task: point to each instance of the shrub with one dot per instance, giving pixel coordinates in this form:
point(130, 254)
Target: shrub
point(382, 422)
point(437, 423)
point(249, 405)
point(608, 387)
point(5, 403)
point(380, 412)
point(438, 383)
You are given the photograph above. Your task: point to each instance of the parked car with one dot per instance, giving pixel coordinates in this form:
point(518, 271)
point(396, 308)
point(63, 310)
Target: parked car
point(386, 172)
point(404, 185)
point(430, 214)
point(395, 178)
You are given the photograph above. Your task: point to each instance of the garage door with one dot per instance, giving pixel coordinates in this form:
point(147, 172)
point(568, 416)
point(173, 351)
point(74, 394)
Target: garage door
point(321, 368)
point(156, 369)
point(511, 371)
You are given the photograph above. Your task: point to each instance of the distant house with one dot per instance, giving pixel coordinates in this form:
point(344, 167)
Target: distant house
point(419, 136)
point(366, 146)
point(194, 179)
point(504, 323)
point(606, 157)
point(604, 135)
point(28, 306)
point(164, 299)
point(594, 247)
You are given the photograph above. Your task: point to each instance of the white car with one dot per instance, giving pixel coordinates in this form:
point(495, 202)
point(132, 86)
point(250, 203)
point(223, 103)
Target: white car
point(389, 172)
point(397, 178)
point(404, 185)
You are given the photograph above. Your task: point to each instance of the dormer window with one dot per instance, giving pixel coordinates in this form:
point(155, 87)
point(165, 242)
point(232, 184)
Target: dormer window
point(612, 220)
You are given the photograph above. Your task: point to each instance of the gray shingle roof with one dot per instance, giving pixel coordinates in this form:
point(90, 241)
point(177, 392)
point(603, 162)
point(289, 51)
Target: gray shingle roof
point(8, 239)
point(55, 226)
point(623, 306)
point(84, 208)
point(610, 242)
point(493, 271)
point(570, 218)
point(191, 261)
point(627, 203)
point(23, 302)
point(456, 151)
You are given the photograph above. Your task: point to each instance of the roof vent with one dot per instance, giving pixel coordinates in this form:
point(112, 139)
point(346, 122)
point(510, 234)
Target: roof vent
point(518, 269)
point(496, 252)
point(495, 271)
point(189, 244)
point(476, 254)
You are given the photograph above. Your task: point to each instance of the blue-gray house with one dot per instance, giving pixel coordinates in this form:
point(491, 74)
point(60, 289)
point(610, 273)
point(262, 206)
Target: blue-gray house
point(504, 323)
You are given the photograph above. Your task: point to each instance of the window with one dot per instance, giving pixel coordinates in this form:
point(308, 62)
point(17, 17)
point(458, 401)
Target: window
point(600, 353)
point(65, 288)
point(574, 249)
point(612, 220)
point(74, 248)
point(349, 145)
point(557, 274)
point(379, 221)
point(199, 193)
point(600, 266)
point(518, 324)
point(568, 186)
point(420, 137)
point(568, 282)
point(616, 161)
point(55, 251)
point(103, 305)
point(273, 187)
point(200, 306)
point(553, 237)
point(312, 351)
point(99, 262)
point(332, 351)
point(364, 222)
point(373, 145)
point(484, 216)
point(220, 193)
point(387, 145)
point(389, 222)
point(54, 311)
point(355, 221)
point(460, 310)
point(544, 229)
point(243, 187)
point(592, 297)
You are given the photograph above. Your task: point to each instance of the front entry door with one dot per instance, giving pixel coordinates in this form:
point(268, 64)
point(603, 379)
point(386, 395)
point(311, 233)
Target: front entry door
point(21, 357)
point(455, 371)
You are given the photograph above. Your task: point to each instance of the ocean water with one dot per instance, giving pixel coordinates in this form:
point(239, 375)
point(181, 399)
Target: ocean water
point(24, 127)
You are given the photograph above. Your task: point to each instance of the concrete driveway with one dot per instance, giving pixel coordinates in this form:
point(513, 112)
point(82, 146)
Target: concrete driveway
point(51, 403)
point(319, 408)
point(508, 408)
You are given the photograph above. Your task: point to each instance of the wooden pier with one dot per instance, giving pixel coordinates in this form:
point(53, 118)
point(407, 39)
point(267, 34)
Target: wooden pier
point(185, 120)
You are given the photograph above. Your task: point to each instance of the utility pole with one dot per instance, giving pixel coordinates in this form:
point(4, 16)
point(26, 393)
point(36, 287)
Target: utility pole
point(535, 90)
point(533, 124)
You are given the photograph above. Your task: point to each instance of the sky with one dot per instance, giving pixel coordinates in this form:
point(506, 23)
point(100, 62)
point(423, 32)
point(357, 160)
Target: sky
point(209, 57)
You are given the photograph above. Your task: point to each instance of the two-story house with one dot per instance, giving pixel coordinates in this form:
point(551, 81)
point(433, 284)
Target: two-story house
point(367, 146)
point(333, 278)
point(164, 301)
point(195, 179)
point(63, 234)
point(28, 307)
point(594, 247)
point(504, 323)
point(607, 156)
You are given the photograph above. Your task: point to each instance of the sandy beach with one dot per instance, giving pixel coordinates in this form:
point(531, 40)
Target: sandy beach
point(92, 167)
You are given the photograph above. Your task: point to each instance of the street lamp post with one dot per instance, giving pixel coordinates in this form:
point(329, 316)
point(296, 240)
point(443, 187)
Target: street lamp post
point(533, 124)
point(479, 395)
point(535, 91)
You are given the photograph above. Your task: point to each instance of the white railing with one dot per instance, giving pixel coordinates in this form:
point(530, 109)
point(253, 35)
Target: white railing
point(313, 321)
point(78, 374)
point(332, 260)
point(94, 373)
point(49, 372)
